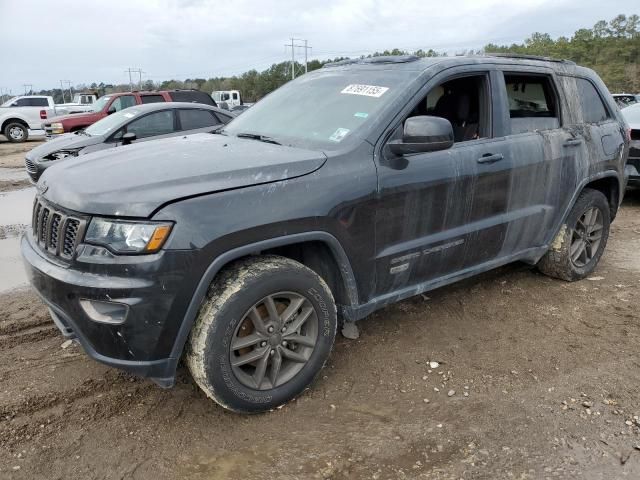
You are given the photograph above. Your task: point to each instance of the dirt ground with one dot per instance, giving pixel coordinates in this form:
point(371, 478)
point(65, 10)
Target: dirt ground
point(12, 159)
point(537, 378)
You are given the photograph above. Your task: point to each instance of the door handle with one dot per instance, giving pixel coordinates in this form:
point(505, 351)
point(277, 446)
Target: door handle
point(490, 158)
point(572, 143)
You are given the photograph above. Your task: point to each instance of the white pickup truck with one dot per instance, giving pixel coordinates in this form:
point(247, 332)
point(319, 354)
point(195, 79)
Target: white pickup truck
point(22, 116)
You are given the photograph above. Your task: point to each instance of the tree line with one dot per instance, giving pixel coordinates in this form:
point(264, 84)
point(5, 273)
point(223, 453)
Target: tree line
point(611, 48)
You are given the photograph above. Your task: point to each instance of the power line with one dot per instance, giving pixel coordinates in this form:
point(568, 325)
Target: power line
point(293, 46)
point(25, 85)
point(139, 72)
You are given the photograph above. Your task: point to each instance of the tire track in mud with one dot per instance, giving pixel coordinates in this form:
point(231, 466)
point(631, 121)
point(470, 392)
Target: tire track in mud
point(23, 319)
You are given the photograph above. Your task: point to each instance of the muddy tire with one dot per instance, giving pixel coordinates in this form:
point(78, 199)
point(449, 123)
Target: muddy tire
point(263, 334)
point(16, 132)
point(579, 244)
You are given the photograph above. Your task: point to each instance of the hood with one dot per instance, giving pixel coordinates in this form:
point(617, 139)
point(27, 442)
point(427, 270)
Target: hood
point(69, 116)
point(68, 140)
point(135, 180)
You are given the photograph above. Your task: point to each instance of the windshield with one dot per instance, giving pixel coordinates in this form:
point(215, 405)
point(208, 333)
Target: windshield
point(9, 102)
point(112, 122)
point(632, 114)
point(323, 109)
point(100, 103)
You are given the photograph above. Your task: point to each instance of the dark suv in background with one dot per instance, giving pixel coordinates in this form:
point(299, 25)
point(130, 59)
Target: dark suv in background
point(115, 102)
point(347, 189)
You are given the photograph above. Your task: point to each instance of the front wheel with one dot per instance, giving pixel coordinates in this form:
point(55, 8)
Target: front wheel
point(263, 333)
point(16, 132)
point(577, 248)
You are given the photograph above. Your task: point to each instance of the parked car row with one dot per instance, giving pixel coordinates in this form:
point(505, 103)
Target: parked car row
point(632, 116)
point(131, 125)
point(241, 251)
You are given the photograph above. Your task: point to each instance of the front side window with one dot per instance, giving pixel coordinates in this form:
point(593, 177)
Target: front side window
point(532, 102)
point(123, 102)
point(191, 119)
point(23, 102)
point(593, 110)
point(154, 124)
point(112, 122)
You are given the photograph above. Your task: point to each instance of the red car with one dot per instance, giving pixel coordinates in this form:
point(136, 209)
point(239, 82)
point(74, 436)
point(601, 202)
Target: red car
point(115, 102)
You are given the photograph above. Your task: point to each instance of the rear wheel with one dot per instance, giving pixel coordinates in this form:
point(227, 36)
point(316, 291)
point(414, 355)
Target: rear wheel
point(263, 334)
point(16, 132)
point(580, 243)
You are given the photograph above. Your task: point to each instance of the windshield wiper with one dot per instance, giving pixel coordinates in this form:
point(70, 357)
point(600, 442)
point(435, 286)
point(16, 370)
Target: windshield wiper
point(262, 138)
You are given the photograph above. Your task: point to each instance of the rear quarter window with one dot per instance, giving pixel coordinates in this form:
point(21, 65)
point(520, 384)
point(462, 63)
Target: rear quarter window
point(593, 108)
point(151, 98)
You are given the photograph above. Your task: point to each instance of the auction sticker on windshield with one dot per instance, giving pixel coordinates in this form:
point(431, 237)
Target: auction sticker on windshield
point(366, 90)
point(339, 134)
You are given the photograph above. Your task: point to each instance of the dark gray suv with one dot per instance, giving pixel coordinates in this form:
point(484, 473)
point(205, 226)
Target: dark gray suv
point(349, 188)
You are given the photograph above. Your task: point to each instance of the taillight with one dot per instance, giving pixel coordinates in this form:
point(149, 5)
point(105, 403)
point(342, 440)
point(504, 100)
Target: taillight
point(43, 114)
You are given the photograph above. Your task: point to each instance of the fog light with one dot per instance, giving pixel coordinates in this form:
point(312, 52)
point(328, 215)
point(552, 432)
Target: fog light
point(105, 312)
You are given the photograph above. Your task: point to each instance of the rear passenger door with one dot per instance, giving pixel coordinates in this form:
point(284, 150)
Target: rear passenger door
point(532, 128)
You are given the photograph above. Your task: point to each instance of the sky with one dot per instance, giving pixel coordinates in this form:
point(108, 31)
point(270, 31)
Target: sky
point(84, 42)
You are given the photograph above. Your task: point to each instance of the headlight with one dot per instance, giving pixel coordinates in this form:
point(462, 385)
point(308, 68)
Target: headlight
point(127, 236)
point(60, 154)
point(57, 128)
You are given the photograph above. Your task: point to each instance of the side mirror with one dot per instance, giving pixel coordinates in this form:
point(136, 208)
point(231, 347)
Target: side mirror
point(423, 134)
point(111, 110)
point(128, 137)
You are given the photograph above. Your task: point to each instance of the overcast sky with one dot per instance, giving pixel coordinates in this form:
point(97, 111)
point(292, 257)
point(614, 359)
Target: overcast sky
point(46, 41)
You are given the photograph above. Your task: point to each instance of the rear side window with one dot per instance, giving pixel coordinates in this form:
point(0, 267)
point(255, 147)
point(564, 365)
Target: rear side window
point(192, 96)
point(152, 98)
point(38, 102)
point(532, 103)
point(593, 110)
point(190, 119)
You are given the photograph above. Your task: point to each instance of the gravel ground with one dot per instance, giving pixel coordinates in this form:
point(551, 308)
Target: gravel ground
point(12, 173)
point(534, 378)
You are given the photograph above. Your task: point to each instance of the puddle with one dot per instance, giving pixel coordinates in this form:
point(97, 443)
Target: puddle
point(13, 274)
point(15, 206)
point(15, 214)
point(8, 174)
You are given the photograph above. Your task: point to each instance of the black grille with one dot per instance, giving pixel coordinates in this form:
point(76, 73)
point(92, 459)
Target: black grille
point(30, 166)
point(56, 231)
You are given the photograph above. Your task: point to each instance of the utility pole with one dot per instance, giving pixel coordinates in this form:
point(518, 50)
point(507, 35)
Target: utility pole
point(25, 85)
point(139, 72)
point(62, 90)
point(68, 82)
point(293, 46)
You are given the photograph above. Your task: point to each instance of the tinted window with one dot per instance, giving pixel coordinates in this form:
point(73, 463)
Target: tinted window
point(152, 98)
point(123, 102)
point(593, 110)
point(532, 103)
point(191, 119)
point(23, 102)
point(191, 96)
point(156, 123)
point(38, 102)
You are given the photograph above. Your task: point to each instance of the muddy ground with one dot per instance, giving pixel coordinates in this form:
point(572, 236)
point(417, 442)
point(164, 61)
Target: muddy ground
point(544, 378)
point(12, 173)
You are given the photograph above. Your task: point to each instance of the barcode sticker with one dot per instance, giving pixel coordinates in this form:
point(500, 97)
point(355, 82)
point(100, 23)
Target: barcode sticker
point(366, 90)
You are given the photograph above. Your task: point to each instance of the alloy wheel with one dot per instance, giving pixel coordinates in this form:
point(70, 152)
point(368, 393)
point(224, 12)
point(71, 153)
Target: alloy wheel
point(586, 237)
point(274, 340)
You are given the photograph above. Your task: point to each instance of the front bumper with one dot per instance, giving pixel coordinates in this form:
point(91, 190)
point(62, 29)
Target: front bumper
point(153, 288)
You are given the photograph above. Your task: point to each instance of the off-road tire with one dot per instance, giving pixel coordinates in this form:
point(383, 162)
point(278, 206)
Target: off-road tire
point(557, 261)
point(235, 291)
point(16, 125)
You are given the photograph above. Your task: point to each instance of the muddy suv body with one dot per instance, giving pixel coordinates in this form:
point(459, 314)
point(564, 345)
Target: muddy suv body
point(348, 189)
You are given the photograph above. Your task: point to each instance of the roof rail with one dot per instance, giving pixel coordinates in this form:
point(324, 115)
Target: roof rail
point(529, 57)
point(375, 60)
